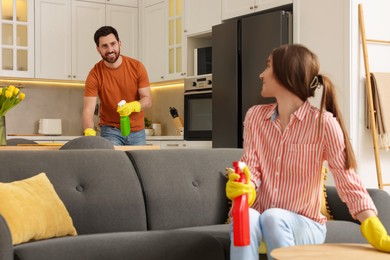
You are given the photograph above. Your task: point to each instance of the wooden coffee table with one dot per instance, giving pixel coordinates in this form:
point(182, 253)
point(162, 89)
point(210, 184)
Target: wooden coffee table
point(329, 252)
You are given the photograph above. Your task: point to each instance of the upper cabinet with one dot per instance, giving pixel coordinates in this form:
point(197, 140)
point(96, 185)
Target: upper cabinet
point(201, 15)
point(65, 48)
point(176, 40)
point(154, 31)
point(163, 39)
point(234, 8)
point(17, 38)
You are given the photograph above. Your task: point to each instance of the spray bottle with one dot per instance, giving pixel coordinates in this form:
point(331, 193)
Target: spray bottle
point(124, 121)
point(240, 211)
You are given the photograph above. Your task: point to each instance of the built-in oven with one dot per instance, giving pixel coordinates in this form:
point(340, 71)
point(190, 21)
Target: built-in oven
point(198, 107)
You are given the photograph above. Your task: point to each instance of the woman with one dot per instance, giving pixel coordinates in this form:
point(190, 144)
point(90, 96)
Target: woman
point(285, 146)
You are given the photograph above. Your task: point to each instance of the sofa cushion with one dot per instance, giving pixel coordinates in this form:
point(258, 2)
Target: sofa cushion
point(149, 245)
point(220, 232)
point(33, 210)
point(343, 232)
point(99, 188)
point(184, 189)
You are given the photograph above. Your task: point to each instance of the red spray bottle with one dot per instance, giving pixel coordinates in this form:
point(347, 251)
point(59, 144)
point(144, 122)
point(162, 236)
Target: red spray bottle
point(240, 212)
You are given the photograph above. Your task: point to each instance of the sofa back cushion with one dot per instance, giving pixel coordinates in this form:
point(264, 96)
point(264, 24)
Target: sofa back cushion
point(184, 188)
point(99, 188)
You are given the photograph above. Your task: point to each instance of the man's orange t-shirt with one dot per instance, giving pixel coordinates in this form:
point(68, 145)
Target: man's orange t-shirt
point(113, 85)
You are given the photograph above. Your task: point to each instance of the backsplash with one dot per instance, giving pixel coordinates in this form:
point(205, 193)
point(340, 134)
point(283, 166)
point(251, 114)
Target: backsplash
point(66, 103)
point(163, 98)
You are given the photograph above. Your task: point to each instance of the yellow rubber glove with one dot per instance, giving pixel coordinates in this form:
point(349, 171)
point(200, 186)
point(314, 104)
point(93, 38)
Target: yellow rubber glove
point(89, 132)
point(128, 108)
point(376, 234)
point(235, 189)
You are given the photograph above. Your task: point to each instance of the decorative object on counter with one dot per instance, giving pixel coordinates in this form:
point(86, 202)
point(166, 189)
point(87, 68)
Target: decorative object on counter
point(176, 121)
point(148, 127)
point(10, 96)
point(157, 129)
point(50, 126)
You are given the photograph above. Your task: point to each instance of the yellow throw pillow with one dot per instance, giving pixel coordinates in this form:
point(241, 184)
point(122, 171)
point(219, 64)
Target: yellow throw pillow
point(33, 210)
point(324, 203)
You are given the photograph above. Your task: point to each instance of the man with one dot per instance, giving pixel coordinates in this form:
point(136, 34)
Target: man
point(115, 78)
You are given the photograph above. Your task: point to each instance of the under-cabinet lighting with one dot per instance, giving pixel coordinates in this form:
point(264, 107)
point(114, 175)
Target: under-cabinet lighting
point(40, 82)
point(167, 84)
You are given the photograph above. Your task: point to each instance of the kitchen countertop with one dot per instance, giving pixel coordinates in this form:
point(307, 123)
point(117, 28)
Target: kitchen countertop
point(68, 138)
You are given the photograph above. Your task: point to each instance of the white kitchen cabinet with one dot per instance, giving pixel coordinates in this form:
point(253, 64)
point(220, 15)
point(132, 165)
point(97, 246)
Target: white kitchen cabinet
point(201, 15)
point(180, 144)
point(154, 40)
point(173, 145)
point(199, 144)
point(132, 3)
point(17, 38)
point(53, 48)
point(65, 48)
point(183, 144)
point(234, 8)
point(125, 20)
point(163, 40)
point(176, 40)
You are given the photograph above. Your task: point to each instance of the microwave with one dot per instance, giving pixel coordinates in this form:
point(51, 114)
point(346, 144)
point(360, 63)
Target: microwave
point(202, 60)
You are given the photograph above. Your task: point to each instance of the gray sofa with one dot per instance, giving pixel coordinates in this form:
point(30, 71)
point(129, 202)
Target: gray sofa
point(145, 204)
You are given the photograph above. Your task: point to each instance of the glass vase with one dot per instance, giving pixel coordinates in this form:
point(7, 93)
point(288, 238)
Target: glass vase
point(3, 135)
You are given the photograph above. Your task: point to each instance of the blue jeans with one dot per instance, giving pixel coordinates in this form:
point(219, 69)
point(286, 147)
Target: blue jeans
point(278, 228)
point(114, 135)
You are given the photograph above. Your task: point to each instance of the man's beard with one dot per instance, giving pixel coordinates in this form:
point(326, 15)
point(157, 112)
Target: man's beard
point(111, 59)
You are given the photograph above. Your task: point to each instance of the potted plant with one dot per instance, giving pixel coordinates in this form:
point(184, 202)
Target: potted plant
point(148, 127)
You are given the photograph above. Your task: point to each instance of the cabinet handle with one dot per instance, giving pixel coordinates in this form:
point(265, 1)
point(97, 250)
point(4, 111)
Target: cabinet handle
point(256, 6)
point(162, 77)
point(185, 31)
point(176, 145)
point(69, 76)
point(74, 76)
point(251, 7)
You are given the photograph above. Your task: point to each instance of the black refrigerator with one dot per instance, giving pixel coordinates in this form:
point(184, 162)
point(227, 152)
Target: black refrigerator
point(240, 51)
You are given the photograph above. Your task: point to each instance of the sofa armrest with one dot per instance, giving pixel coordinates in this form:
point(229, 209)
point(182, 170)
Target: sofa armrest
point(339, 209)
point(6, 247)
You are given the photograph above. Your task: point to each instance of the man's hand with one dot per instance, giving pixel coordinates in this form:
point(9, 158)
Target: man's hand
point(128, 108)
point(376, 234)
point(235, 189)
point(89, 132)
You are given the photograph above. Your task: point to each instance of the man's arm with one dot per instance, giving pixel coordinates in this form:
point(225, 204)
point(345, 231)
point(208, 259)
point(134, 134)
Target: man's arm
point(145, 97)
point(88, 111)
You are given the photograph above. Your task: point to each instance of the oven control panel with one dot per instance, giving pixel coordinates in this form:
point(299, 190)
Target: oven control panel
point(201, 82)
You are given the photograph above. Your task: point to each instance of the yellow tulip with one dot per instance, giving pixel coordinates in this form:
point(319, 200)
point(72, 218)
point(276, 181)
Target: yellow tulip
point(22, 95)
point(1, 91)
point(16, 91)
point(8, 93)
point(11, 88)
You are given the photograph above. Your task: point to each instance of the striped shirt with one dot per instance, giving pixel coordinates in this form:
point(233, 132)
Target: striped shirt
point(286, 165)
